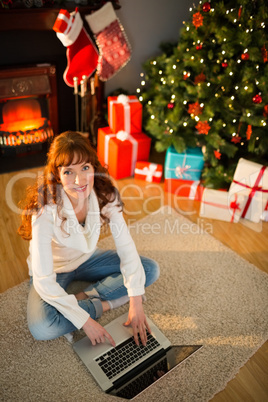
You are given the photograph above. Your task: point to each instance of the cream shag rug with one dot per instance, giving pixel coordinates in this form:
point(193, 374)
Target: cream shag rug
point(206, 295)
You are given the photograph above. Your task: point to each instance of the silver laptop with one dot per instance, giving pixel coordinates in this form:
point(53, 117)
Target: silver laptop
point(127, 369)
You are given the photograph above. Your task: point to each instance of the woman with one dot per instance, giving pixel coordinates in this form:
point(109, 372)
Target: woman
point(62, 217)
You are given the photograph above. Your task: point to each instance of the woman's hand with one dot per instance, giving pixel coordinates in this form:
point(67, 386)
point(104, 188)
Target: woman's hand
point(96, 333)
point(137, 319)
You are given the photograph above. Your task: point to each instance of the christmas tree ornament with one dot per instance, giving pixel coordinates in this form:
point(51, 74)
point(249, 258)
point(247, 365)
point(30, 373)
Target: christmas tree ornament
point(199, 47)
point(236, 139)
point(265, 111)
point(186, 75)
point(245, 56)
point(170, 105)
point(249, 131)
point(224, 64)
point(240, 12)
point(111, 39)
point(257, 99)
point(217, 154)
point(264, 53)
point(195, 109)
point(81, 53)
point(200, 78)
point(206, 7)
point(198, 19)
point(203, 127)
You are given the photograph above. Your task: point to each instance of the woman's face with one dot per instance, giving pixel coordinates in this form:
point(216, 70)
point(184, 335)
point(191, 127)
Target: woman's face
point(77, 180)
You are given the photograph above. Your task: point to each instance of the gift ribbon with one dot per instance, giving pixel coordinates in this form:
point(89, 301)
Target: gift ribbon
point(149, 172)
point(234, 205)
point(122, 136)
point(193, 189)
point(253, 189)
point(125, 101)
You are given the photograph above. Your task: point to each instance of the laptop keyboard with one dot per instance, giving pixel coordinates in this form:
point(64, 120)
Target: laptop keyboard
point(124, 355)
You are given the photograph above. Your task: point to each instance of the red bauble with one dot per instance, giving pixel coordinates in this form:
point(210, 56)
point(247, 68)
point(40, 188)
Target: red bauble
point(206, 7)
point(199, 47)
point(245, 56)
point(224, 64)
point(170, 105)
point(257, 99)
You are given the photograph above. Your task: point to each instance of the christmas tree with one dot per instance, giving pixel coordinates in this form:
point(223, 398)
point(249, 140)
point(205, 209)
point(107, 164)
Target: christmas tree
point(210, 89)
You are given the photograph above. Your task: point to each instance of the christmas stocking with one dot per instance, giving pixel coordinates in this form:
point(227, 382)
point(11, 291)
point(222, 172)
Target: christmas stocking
point(82, 55)
point(111, 39)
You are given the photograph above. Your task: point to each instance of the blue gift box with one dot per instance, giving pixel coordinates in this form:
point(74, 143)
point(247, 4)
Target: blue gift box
point(187, 165)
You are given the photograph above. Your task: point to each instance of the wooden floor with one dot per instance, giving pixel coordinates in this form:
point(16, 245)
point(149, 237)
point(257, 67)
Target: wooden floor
point(249, 240)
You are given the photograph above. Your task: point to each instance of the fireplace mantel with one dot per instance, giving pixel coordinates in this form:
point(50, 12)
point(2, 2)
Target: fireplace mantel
point(39, 19)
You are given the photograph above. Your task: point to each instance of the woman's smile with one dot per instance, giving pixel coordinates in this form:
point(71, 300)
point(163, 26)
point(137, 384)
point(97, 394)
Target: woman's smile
point(81, 189)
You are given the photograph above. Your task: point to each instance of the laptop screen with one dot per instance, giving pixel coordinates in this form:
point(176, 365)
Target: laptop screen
point(145, 376)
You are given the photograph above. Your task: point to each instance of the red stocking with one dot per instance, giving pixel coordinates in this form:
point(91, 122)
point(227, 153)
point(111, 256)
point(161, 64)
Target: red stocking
point(82, 55)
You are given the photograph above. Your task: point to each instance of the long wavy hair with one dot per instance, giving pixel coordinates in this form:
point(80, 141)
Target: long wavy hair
point(48, 187)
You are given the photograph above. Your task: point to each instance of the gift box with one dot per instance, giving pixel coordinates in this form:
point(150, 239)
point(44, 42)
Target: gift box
point(125, 113)
point(221, 205)
point(121, 151)
point(147, 171)
point(251, 179)
point(187, 165)
point(184, 188)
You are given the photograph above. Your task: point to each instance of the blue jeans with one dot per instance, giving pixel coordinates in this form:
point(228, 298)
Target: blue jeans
point(102, 269)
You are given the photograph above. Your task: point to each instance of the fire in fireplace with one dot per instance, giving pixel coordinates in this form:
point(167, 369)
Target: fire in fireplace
point(23, 123)
point(28, 108)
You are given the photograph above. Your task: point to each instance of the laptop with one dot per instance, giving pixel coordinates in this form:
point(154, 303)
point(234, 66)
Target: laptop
point(126, 370)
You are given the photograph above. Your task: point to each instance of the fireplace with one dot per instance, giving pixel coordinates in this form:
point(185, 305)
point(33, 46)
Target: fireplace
point(28, 115)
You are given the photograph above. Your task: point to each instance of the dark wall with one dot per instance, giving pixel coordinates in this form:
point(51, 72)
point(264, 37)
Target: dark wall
point(147, 24)
point(33, 47)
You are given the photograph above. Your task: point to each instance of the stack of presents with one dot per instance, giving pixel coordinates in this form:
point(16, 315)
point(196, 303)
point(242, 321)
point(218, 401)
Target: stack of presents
point(125, 149)
point(122, 145)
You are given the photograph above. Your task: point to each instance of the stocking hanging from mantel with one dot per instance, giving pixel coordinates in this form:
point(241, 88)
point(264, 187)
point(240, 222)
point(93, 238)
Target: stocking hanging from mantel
point(111, 39)
point(82, 54)
point(83, 57)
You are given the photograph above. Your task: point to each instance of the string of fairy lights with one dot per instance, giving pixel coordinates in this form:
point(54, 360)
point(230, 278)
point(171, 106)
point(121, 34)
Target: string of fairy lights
point(219, 90)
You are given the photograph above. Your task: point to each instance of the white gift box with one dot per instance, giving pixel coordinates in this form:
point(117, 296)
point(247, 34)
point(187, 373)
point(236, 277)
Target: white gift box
point(251, 180)
point(221, 205)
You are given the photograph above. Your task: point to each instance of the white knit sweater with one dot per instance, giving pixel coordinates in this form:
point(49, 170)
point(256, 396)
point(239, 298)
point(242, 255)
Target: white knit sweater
point(53, 251)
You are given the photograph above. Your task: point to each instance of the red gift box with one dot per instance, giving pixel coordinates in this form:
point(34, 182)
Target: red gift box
point(184, 188)
point(121, 151)
point(147, 171)
point(125, 113)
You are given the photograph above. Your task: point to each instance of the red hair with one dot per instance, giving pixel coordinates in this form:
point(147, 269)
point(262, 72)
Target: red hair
point(47, 190)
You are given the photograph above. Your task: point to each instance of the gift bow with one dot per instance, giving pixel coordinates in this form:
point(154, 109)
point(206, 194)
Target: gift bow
point(123, 99)
point(181, 170)
point(235, 206)
point(149, 172)
point(122, 135)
